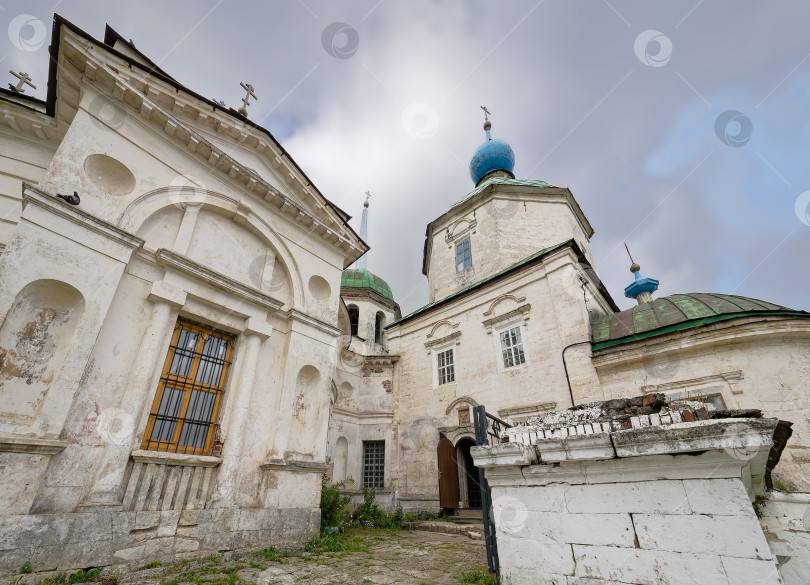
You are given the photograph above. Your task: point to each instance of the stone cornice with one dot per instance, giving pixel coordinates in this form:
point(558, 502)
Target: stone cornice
point(363, 414)
point(162, 458)
point(295, 466)
point(296, 315)
point(442, 340)
point(33, 196)
point(31, 445)
point(168, 258)
point(734, 376)
point(26, 120)
point(522, 311)
point(380, 360)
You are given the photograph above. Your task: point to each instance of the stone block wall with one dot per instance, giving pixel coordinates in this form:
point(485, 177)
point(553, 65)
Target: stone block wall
point(69, 541)
point(648, 505)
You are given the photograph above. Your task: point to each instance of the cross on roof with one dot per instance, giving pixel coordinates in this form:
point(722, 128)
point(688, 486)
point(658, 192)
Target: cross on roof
point(24, 78)
point(486, 113)
point(250, 93)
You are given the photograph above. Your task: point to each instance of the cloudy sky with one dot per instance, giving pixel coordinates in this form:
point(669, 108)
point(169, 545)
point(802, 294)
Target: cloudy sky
point(682, 128)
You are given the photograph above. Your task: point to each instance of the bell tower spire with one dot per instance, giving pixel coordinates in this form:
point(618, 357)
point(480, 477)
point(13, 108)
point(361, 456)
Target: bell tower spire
point(362, 263)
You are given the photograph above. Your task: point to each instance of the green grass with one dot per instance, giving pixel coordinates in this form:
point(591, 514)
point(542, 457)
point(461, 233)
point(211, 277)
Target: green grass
point(26, 568)
point(83, 576)
point(213, 574)
point(479, 577)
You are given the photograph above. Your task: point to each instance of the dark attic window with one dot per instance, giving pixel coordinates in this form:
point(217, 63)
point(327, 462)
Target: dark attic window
point(354, 318)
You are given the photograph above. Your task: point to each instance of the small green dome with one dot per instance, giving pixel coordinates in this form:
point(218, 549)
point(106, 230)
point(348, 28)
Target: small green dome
point(353, 278)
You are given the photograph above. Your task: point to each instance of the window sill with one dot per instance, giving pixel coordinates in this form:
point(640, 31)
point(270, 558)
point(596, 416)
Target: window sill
point(162, 458)
point(519, 368)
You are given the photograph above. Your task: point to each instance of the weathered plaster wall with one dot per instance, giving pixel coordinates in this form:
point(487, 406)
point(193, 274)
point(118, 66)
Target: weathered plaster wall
point(751, 364)
point(785, 518)
point(504, 227)
point(25, 159)
point(546, 300)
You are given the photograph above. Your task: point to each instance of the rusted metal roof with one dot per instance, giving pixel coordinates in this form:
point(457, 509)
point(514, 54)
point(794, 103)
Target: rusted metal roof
point(677, 312)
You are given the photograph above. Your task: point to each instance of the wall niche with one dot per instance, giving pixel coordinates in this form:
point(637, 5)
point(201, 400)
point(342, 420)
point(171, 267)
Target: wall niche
point(35, 337)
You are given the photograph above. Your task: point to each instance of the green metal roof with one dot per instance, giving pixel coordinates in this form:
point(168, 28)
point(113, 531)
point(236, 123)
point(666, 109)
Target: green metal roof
point(499, 181)
point(354, 278)
point(676, 312)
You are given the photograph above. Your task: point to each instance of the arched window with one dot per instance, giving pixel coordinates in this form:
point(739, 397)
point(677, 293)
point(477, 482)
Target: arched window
point(378, 328)
point(354, 318)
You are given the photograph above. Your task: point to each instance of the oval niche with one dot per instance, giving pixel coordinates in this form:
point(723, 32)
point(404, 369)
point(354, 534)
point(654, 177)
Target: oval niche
point(319, 288)
point(109, 175)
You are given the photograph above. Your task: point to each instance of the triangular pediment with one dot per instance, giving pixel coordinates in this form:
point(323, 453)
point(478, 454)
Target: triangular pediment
point(229, 144)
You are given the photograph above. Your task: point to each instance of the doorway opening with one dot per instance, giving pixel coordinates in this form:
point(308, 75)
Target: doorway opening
point(469, 487)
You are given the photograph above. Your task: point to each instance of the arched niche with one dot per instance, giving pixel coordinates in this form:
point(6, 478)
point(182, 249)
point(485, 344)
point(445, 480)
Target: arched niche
point(148, 213)
point(35, 336)
point(306, 410)
point(341, 459)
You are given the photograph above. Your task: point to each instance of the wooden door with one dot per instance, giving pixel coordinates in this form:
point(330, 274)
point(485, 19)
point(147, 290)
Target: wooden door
point(448, 474)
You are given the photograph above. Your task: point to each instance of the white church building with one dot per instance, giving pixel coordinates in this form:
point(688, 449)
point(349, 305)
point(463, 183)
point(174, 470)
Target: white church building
point(191, 340)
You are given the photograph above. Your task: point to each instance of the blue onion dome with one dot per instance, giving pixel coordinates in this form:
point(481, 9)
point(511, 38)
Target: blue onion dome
point(492, 155)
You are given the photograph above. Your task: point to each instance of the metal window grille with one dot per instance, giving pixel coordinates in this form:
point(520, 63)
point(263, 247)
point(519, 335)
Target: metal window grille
point(463, 255)
point(374, 464)
point(512, 347)
point(187, 401)
point(446, 367)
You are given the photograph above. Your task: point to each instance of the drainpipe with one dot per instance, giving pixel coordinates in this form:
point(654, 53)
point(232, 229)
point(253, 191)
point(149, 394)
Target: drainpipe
point(565, 367)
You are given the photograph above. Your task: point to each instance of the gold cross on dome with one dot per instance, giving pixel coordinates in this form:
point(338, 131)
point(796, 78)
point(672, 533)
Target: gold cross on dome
point(487, 113)
point(24, 78)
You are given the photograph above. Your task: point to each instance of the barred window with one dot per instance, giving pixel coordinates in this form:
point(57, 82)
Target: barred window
point(187, 401)
point(374, 464)
point(512, 347)
point(463, 255)
point(446, 367)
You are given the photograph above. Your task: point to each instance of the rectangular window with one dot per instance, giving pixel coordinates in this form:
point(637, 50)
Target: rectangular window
point(446, 368)
point(374, 464)
point(463, 256)
point(512, 347)
point(186, 406)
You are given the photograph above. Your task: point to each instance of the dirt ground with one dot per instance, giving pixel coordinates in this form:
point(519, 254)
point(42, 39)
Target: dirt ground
point(379, 557)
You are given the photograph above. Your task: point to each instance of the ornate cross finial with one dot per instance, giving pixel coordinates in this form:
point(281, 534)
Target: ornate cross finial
point(486, 113)
point(628, 253)
point(368, 196)
point(633, 266)
point(24, 78)
point(246, 100)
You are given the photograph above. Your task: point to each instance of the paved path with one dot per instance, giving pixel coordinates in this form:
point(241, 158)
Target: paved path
point(379, 557)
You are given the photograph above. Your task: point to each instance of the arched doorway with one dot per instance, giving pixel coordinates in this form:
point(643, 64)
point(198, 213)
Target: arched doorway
point(469, 486)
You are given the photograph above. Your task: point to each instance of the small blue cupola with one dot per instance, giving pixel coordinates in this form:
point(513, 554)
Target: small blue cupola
point(642, 288)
